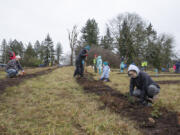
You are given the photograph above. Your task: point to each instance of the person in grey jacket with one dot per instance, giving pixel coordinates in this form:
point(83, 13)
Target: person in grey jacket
point(13, 67)
point(146, 88)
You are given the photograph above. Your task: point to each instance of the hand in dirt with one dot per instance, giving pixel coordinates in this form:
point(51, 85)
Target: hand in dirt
point(22, 73)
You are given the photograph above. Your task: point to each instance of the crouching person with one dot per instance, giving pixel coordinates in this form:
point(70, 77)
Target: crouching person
point(146, 88)
point(105, 74)
point(13, 67)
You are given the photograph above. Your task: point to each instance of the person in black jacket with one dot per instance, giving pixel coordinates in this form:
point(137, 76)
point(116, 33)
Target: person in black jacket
point(146, 88)
point(80, 61)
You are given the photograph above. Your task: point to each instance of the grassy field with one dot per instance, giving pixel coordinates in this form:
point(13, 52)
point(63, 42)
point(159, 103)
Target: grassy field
point(55, 104)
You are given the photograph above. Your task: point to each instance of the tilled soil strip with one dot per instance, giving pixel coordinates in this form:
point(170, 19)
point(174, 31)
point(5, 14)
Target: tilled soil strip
point(165, 124)
point(8, 82)
point(169, 82)
point(169, 75)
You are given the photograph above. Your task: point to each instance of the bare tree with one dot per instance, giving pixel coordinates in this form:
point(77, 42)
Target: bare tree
point(72, 36)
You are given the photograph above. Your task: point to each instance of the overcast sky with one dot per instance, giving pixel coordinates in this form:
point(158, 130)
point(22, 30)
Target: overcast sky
point(29, 20)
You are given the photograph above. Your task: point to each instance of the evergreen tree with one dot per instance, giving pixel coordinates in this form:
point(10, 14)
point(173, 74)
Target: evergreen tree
point(49, 50)
point(125, 43)
point(37, 48)
point(30, 57)
point(139, 43)
point(17, 47)
point(90, 32)
point(107, 40)
point(59, 52)
point(4, 50)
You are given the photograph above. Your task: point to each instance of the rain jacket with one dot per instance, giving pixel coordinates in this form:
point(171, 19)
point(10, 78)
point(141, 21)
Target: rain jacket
point(122, 65)
point(13, 64)
point(99, 62)
point(105, 74)
point(12, 55)
point(82, 55)
point(141, 82)
point(94, 61)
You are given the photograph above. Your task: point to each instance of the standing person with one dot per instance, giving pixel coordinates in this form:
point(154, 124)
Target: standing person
point(142, 66)
point(174, 67)
point(99, 64)
point(146, 88)
point(177, 67)
point(13, 67)
point(145, 65)
point(105, 74)
point(80, 61)
point(94, 62)
point(122, 66)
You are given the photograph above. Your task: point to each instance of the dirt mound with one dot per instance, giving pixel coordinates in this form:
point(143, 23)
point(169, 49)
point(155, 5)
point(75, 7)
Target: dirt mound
point(168, 75)
point(165, 124)
point(8, 82)
point(165, 76)
point(169, 82)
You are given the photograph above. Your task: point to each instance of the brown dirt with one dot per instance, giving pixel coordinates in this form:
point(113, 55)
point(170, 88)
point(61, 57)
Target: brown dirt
point(165, 75)
point(169, 82)
point(8, 82)
point(166, 124)
point(169, 75)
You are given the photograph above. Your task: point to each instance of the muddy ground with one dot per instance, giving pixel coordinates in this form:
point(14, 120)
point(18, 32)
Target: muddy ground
point(169, 82)
point(165, 75)
point(165, 124)
point(8, 82)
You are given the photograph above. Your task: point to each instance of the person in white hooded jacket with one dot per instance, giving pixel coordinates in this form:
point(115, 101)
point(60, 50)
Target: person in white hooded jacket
point(105, 74)
point(146, 88)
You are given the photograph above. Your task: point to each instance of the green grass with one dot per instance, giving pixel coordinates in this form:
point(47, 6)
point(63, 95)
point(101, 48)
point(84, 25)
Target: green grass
point(55, 104)
point(169, 93)
point(2, 74)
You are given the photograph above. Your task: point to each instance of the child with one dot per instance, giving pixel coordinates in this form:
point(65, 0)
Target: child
point(122, 67)
point(99, 64)
point(106, 70)
point(146, 88)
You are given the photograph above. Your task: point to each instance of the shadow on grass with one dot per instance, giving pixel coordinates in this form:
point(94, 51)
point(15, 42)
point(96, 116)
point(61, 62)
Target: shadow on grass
point(165, 124)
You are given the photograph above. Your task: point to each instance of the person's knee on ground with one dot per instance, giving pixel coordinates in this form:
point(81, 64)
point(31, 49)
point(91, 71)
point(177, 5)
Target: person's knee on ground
point(105, 79)
point(12, 73)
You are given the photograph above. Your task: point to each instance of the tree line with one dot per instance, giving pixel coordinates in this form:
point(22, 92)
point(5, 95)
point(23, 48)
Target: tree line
point(128, 37)
point(40, 53)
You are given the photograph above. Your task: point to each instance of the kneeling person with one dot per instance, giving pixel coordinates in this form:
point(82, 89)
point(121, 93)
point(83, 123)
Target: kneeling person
point(146, 88)
point(105, 75)
point(13, 67)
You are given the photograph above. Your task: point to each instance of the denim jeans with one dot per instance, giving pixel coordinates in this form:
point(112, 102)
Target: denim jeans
point(11, 72)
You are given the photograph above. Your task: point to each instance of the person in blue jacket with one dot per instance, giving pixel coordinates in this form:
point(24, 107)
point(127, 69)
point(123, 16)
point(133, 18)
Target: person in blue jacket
point(122, 66)
point(99, 64)
point(105, 74)
point(80, 61)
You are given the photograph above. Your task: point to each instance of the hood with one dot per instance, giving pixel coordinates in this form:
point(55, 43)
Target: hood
point(99, 57)
point(135, 68)
point(105, 63)
point(87, 47)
